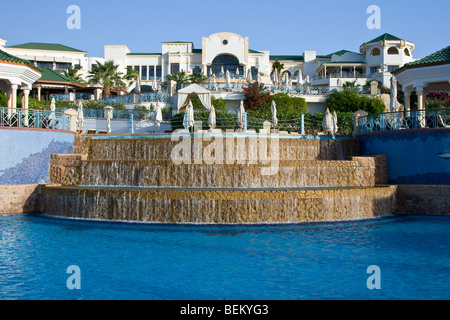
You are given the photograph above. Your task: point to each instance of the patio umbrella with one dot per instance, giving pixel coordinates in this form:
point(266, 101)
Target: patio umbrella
point(241, 111)
point(249, 75)
point(80, 116)
point(227, 79)
point(52, 109)
point(237, 71)
point(154, 85)
point(300, 78)
point(394, 106)
point(274, 114)
point(190, 112)
point(335, 121)
point(222, 71)
point(158, 115)
point(327, 122)
point(212, 118)
point(137, 88)
point(259, 78)
point(275, 77)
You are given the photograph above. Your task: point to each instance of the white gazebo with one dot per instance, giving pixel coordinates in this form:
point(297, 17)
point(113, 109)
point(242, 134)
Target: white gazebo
point(185, 95)
point(430, 74)
point(16, 75)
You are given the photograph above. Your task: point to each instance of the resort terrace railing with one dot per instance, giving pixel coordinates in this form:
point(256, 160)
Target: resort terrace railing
point(136, 98)
point(38, 119)
point(147, 115)
point(404, 120)
point(72, 96)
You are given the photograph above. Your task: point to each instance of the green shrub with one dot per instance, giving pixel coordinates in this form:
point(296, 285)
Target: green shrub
point(351, 101)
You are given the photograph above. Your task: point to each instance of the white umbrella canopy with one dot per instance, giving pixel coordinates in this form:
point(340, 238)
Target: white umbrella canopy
point(227, 79)
point(275, 77)
point(53, 105)
point(237, 71)
point(274, 114)
point(154, 85)
point(158, 115)
point(212, 118)
point(241, 115)
point(137, 88)
point(249, 75)
point(394, 105)
point(222, 71)
point(300, 78)
point(80, 115)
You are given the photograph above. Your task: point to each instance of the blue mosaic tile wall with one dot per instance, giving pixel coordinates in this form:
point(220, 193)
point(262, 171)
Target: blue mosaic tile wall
point(25, 154)
point(414, 157)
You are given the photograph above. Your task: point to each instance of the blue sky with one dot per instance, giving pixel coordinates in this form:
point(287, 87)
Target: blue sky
point(281, 27)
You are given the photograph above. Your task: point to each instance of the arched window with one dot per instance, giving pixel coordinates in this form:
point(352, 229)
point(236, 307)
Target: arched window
point(407, 53)
point(392, 50)
point(375, 52)
point(226, 62)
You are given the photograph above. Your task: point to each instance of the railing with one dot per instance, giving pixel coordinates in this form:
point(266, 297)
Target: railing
point(28, 118)
point(404, 120)
point(136, 98)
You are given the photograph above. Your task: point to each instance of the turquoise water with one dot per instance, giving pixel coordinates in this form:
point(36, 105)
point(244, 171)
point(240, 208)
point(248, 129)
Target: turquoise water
point(201, 262)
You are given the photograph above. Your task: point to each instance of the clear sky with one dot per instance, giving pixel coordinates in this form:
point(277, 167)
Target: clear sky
point(282, 27)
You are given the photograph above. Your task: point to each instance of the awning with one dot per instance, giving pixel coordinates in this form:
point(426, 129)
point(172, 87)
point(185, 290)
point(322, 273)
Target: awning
point(185, 94)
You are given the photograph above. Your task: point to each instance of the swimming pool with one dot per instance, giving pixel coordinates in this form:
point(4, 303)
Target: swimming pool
point(119, 261)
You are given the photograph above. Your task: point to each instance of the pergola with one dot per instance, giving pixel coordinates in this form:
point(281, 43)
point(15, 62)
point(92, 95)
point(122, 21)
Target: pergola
point(16, 74)
point(430, 74)
point(185, 94)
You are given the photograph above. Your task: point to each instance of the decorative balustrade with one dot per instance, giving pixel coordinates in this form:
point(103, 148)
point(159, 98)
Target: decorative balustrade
point(38, 119)
point(404, 120)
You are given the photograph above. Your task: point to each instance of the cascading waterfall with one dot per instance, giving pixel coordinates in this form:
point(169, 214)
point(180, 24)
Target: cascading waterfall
point(137, 180)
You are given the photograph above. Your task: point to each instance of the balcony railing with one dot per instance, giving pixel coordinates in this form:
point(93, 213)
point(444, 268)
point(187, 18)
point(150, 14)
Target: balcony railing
point(38, 119)
point(404, 120)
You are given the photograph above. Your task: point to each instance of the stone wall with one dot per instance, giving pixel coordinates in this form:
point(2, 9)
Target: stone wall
point(421, 199)
point(17, 199)
point(65, 169)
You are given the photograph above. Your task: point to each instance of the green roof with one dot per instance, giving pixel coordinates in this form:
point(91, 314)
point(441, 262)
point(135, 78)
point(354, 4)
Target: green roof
point(339, 53)
point(440, 56)
point(385, 36)
point(177, 42)
point(5, 56)
point(50, 75)
point(292, 58)
point(44, 46)
point(253, 51)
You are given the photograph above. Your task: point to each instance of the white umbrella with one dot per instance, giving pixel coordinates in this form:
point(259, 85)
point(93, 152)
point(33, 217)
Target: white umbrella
point(237, 71)
point(394, 106)
point(154, 85)
point(249, 75)
point(80, 116)
point(274, 114)
point(259, 78)
point(241, 115)
point(227, 79)
point(213, 82)
point(137, 88)
point(52, 109)
point(335, 121)
point(158, 115)
point(190, 112)
point(327, 122)
point(275, 77)
point(212, 118)
point(300, 78)
point(221, 70)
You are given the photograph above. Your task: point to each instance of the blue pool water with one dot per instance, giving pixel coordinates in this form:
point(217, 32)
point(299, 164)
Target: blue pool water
point(193, 262)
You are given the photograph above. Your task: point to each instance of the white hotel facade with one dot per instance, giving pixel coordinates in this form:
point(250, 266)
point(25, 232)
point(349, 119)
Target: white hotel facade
point(375, 60)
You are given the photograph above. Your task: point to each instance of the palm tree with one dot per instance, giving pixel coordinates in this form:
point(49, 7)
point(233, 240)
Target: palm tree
point(133, 74)
point(108, 76)
point(73, 74)
point(179, 77)
point(277, 65)
point(197, 78)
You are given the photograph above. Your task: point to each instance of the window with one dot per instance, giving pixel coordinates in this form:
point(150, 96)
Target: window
point(197, 69)
point(174, 68)
point(393, 50)
point(375, 52)
point(226, 62)
point(61, 66)
point(407, 53)
point(44, 64)
point(144, 73)
point(373, 70)
point(254, 72)
point(151, 72)
point(158, 73)
point(392, 69)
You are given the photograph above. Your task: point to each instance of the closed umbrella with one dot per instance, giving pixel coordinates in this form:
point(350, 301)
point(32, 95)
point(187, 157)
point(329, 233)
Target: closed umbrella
point(80, 116)
point(190, 112)
point(300, 78)
point(275, 77)
point(227, 79)
point(158, 115)
point(327, 122)
point(335, 121)
point(52, 109)
point(394, 105)
point(137, 88)
point(212, 118)
point(249, 75)
point(274, 114)
point(154, 85)
point(241, 112)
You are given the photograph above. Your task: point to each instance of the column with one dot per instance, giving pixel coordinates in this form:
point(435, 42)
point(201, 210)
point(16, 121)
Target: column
point(407, 100)
point(39, 93)
point(9, 95)
point(14, 88)
point(26, 95)
point(420, 97)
